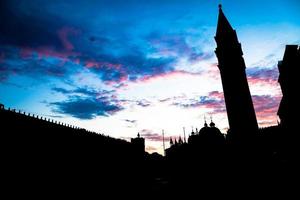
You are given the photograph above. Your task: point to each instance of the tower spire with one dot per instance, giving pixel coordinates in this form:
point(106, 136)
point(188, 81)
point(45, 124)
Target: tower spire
point(171, 141)
point(239, 105)
point(163, 135)
point(205, 123)
point(212, 124)
point(223, 27)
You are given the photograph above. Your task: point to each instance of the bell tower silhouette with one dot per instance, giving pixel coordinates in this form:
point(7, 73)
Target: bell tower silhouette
point(240, 111)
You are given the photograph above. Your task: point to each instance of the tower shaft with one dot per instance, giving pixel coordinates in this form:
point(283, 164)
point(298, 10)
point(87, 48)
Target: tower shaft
point(240, 110)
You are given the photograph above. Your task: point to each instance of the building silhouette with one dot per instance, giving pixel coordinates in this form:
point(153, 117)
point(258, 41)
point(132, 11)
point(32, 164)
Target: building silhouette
point(39, 151)
point(207, 140)
point(289, 69)
point(138, 144)
point(208, 135)
point(240, 110)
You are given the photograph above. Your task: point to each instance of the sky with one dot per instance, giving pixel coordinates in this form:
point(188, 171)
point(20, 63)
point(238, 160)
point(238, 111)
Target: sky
point(122, 67)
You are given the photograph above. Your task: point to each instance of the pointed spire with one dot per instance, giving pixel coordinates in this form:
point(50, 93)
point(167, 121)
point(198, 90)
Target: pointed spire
point(205, 123)
point(138, 135)
point(180, 140)
point(223, 24)
point(212, 124)
point(171, 141)
point(193, 133)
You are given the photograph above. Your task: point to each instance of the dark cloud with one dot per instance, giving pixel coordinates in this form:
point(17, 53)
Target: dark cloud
point(130, 121)
point(127, 67)
point(33, 66)
point(270, 73)
point(61, 90)
point(143, 103)
point(81, 90)
point(20, 26)
point(88, 105)
point(214, 101)
point(86, 108)
point(105, 47)
point(173, 45)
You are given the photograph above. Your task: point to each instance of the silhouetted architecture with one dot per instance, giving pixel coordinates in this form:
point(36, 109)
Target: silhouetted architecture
point(44, 155)
point(289, 70)
point(39, 152)
point(138, 144)
point(207, 136)
point(240, 110)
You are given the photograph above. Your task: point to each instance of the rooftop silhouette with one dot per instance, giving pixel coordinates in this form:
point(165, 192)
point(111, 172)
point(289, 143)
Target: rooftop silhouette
point(39, 151)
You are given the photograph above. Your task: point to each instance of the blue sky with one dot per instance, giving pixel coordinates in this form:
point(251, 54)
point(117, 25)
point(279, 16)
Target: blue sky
point(122, 67)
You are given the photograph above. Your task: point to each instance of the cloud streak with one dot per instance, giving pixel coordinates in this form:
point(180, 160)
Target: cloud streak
point(266, 107)
point(213, 101)
point(262, 76)
point(84, 103)
point(86, 108)
point(150, 135)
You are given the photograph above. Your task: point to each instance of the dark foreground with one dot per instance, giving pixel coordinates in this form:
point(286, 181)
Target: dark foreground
point(45, 159)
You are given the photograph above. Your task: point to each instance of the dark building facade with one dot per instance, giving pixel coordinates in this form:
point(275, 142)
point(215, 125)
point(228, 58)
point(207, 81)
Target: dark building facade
point(138, 144)
point(289, 69)
point(240, 110)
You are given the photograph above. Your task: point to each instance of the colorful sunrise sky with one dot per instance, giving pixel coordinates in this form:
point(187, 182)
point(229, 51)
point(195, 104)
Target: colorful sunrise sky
point(122, 67)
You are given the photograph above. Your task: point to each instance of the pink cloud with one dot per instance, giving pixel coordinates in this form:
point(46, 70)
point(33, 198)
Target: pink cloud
point(50, 52)
point(266, 108)
point(149, 135)
point(263, 76)
point(64, 34)
point(26, 53)
point(213, 71)
point(46, 51)
point(216, 94)
point(77, 61)
point(106, 65)
point(217, 107)
point(262, 81)
point(167, 75)
point(255, 76)
point(91, 64)
point(266, 103)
